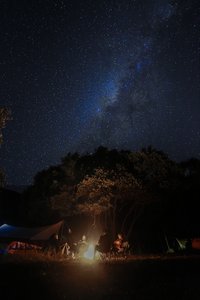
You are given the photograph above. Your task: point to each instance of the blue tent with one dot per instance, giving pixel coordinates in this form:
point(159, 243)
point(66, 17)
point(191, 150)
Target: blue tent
point(13, 233)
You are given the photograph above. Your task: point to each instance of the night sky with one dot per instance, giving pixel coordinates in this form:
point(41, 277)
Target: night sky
point(79, 74)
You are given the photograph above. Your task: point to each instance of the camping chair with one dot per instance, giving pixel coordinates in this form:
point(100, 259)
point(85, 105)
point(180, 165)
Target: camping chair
point(104, 252)
point(65, 249)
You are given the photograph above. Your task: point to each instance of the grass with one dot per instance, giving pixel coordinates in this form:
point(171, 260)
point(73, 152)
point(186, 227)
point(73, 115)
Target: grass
point(138, 277)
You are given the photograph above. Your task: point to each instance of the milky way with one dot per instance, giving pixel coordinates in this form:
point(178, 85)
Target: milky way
point(79, 74)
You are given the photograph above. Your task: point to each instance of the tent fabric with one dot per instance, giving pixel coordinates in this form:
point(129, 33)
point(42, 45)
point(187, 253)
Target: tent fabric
point(29, 234)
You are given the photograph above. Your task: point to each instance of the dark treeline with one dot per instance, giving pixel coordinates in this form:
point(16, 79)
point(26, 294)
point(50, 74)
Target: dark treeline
point(143, 194)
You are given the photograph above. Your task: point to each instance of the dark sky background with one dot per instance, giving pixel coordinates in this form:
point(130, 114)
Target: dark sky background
point(79, 74)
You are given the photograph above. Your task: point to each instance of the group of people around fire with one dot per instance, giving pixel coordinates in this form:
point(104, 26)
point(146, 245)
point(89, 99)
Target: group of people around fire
point(119, 245)
point(104, 246)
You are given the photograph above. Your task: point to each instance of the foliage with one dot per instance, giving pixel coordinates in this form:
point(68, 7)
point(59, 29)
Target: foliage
point(115, 188)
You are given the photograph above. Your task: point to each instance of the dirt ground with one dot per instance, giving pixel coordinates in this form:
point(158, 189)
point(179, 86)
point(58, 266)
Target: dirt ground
point(136, 278)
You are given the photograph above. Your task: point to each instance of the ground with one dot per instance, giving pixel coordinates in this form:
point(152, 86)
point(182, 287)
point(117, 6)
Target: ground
point(136, 278)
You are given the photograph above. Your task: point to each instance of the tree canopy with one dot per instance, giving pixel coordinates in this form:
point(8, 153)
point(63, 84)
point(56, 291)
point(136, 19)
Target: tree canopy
point(106, 186)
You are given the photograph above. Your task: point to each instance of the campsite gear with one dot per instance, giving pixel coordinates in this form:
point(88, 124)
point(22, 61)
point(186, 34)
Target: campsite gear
point(39, 236)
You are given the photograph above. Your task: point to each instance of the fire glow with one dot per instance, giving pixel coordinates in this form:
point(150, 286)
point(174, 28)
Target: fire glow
point(89, 254)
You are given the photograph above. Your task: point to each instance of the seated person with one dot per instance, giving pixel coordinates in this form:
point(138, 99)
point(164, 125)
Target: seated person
point(121, 244)
point(103, 245)
point(118, 244)
point(72, 244)
point(52, 245)
point(82, 246)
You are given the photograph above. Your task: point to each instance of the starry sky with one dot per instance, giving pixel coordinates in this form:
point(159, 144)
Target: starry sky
point(79, 74)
